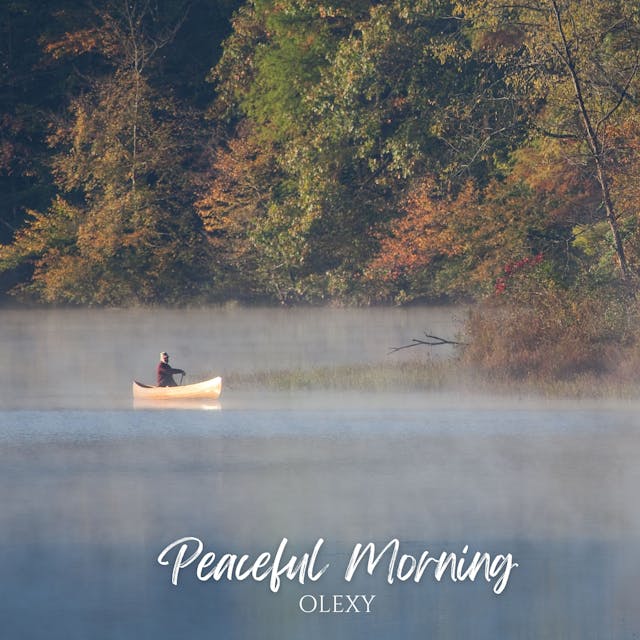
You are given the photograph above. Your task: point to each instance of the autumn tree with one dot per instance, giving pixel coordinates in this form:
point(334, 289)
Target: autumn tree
point(252, 221)
point(576, 64)
point(271, 62)
point(468, 242)
point(433, 231)
point(124, 164)
point(354, 101)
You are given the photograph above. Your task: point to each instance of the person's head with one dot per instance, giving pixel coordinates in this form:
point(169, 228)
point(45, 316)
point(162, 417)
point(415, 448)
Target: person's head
point(164, 357)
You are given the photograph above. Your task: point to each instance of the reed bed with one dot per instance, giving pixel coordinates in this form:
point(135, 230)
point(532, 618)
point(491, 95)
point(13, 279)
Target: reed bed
point(429, 376)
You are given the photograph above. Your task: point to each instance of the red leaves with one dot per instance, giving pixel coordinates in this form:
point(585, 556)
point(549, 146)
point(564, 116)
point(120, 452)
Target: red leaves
point(521, 264)
point(501, 286)
point(513, 268)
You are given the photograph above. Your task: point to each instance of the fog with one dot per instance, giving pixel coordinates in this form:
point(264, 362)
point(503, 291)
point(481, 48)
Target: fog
point(251, 488)
point(91, 489)
point(88, 358)
point(573, 462)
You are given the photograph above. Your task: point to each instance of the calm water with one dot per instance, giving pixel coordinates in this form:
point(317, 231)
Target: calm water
point(92, 490)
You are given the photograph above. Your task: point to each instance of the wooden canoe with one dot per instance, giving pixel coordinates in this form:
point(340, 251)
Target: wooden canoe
point(209, 389)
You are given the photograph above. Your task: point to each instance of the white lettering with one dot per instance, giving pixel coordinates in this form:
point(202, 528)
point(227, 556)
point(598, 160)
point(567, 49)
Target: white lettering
point(180, 563)
point(335, 603)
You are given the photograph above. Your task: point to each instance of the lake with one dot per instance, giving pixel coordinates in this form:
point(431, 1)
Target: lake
point(92, 490)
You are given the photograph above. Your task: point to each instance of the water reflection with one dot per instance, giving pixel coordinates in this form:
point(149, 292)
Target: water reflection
point(182, 404)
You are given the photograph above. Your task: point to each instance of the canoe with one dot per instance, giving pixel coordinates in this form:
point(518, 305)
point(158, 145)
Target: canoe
point(209, 389)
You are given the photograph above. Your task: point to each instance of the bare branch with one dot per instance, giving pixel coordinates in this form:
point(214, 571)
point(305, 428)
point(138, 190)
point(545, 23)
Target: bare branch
point(431, 341)
point(623, 95)
point(553, 134)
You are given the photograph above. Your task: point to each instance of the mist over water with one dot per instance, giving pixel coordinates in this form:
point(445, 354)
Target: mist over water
point(92, 490)
point(88, 358)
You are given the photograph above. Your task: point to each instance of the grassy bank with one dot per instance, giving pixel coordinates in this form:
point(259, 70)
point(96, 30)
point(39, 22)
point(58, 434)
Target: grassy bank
point(429, 376)
point(409, 376)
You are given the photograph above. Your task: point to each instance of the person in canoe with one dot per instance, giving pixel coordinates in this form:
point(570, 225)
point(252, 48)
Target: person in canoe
point(166, 372)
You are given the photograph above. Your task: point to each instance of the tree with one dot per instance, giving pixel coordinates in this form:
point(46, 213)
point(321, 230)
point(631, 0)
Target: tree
point(125, 159)
point(355, 101)
point(577, 65)
point(252, 220)
point(467, 242)
point(433, 229)
point(270, 64)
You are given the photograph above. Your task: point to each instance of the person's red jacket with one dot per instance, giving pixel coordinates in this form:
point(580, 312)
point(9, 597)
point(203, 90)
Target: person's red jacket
point(165, 375)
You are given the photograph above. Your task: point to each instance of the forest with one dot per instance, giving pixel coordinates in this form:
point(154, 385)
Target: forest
point(351, 152)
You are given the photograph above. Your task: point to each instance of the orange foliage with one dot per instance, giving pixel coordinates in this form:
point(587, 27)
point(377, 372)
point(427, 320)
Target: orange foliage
point(240, 190)
point(74, 44)
point(433, 226)
point(565, 190)
point(626, 185)
point(479, 239)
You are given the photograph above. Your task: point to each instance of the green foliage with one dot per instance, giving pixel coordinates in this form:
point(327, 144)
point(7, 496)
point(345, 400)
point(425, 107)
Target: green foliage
point(354, 103)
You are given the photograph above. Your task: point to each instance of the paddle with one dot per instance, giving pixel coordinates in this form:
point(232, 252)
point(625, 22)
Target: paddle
point(181, 377)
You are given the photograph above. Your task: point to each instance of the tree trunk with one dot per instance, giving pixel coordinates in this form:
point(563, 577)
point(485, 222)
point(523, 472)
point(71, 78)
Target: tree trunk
point(611, 218)
point(595, 145)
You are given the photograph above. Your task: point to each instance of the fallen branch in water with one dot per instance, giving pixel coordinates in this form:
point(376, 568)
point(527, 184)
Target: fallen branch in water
point(431, 341)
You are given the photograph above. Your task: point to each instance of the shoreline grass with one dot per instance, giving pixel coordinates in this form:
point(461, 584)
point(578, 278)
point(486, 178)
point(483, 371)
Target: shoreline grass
point(429, 376)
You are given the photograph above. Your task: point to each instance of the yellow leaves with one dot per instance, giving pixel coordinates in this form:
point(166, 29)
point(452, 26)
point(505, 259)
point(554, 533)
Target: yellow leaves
point(45, 238)
point(590, 239)
point(57, 277)
point(74, 44)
